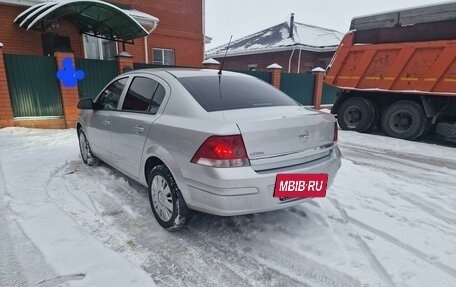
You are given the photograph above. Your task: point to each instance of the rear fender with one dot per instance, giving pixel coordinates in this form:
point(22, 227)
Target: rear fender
point(171, 163)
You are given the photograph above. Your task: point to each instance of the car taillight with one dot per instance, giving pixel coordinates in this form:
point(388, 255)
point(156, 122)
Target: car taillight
point(222, 151)
point(336, 132)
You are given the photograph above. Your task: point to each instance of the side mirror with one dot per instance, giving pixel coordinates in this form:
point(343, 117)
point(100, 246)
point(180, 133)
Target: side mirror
point(85, 104)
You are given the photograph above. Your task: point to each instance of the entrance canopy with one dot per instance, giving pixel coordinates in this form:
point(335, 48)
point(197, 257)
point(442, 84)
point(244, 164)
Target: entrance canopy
point(93, 17)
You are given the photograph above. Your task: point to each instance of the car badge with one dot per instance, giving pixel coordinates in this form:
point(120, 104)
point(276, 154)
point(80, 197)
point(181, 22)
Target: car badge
point(304, 136)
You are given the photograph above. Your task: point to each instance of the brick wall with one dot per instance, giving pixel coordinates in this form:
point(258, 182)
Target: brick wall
point(309, 60)
point(179, 29)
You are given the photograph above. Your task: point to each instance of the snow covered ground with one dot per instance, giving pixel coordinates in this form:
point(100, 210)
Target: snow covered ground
point(389, 220)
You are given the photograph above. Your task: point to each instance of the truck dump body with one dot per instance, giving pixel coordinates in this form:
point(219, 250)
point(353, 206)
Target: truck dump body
point(410, 67)
point(397, 72)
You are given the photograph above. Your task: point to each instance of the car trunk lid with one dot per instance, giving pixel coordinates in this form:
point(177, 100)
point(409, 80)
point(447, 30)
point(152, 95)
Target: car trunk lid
point(277, 137)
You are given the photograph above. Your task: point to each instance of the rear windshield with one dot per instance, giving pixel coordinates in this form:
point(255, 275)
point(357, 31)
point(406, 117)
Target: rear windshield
point(229, 93)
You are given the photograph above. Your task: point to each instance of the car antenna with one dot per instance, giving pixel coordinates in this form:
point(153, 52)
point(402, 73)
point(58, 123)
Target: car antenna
point(224, 57)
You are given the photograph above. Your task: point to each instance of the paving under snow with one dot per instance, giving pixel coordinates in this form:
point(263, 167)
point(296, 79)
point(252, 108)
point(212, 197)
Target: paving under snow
point(388, 221)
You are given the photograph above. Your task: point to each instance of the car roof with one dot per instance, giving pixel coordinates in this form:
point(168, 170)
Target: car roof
point(186, 72)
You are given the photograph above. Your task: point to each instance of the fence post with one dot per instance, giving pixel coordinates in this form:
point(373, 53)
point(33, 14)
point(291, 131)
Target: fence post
point(6, 111)
point(70, 95)
point(211, 64)
point(124, 62)
point(318, 92)
point(276, 74)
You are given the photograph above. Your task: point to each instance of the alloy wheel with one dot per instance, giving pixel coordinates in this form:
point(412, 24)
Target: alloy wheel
point(162, 198)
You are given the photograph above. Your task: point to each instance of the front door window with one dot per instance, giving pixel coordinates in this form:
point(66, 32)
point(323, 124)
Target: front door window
point(110, 97)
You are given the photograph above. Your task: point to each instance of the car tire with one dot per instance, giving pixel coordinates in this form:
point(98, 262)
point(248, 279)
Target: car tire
point(166, 201)
point(84, 147)
point(404, 120)
point(356, 114)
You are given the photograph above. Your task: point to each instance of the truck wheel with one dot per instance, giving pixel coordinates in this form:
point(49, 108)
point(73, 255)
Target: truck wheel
point(404, 120)
point(427, 127)
point(447, 131)
point(356, 114)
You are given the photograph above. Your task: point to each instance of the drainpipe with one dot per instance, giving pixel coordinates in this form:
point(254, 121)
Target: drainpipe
point(204, 27)
point(299, 60)
point(289, 61)
point(146, 49)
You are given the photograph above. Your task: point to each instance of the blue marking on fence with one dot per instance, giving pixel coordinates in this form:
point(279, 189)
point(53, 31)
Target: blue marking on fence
point(68, 74)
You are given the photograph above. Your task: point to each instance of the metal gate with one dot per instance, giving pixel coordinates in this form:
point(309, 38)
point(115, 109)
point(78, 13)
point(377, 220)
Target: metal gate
point(97, 74)
point(33, 86)
point(299, 86)
point(329, 94)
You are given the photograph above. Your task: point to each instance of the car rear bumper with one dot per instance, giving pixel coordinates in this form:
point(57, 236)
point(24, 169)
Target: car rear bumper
point(236, 191)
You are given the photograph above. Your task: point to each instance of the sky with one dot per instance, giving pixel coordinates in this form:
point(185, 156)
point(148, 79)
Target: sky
point(244, 17)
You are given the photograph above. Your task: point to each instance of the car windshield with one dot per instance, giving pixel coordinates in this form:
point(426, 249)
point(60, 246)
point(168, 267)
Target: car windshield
point(222, 93)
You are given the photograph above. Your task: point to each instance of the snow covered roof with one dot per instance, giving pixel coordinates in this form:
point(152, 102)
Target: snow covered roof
point(307, 37)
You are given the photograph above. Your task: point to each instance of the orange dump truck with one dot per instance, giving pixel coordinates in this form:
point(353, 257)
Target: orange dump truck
point(397, 71)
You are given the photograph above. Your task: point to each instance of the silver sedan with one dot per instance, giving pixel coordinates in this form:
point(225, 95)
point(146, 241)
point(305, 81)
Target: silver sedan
point(205, 141)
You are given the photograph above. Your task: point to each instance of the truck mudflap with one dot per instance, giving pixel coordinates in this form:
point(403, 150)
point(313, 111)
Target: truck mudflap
point(447, 131)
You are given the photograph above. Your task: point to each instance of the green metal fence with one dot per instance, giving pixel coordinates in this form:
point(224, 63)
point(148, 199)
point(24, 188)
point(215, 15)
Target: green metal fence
point(97, 74)
point(33, 86)
point(265, 76)
point(137, 66)
point(329, 94)
point(299, 86)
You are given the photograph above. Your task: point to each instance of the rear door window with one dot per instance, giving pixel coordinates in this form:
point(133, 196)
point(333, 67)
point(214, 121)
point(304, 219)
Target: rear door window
point(216, 93)
point(139, 94)
point(144, 95)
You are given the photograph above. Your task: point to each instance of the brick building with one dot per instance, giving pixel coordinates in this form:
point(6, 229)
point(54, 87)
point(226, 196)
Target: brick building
point(297, 47)
point(170, 32)
point(179, 30)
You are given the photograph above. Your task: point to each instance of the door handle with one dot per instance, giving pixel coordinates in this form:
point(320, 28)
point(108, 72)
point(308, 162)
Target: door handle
point(138, 129)
point(107, 123)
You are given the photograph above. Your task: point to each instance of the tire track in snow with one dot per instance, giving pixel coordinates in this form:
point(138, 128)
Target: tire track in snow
point(342, 223)
point(374, 261)
point(365, 157)
point(424, 205)
point(282, 260)
point(197, 256)
point(447, 269)
point(240, 262)
point(407, 157)
point(198, 261)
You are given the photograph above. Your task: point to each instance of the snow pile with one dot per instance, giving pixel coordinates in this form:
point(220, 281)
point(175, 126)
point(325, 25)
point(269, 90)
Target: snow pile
point(30, 163)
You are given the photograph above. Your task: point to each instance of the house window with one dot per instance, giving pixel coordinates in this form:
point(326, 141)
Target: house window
point(96, 48)
point(253, 67)
point(164, 57)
